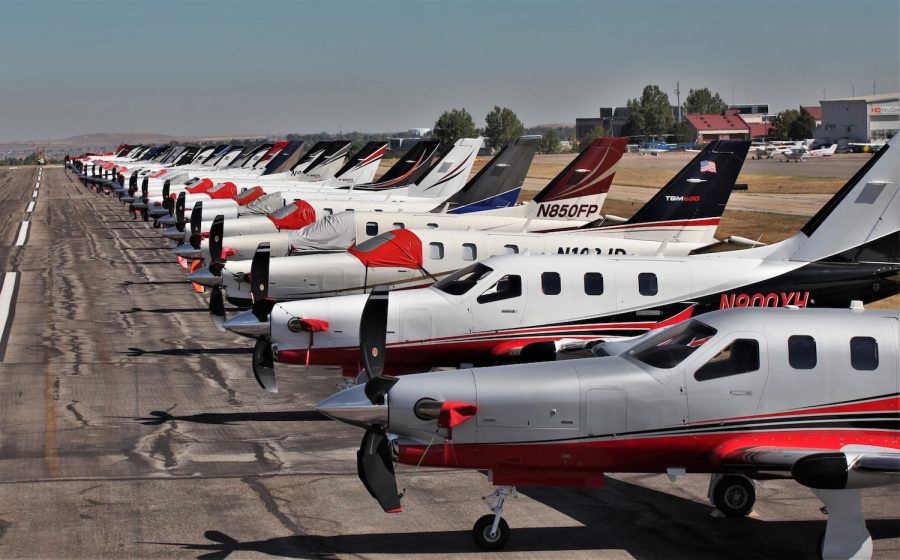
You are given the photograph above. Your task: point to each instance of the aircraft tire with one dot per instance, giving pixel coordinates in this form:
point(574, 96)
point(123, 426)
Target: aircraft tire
point(734, 495)
point(481, 532)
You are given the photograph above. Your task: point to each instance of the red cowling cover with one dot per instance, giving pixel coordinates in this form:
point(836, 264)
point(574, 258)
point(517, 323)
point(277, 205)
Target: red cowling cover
point(223, 190)
point(396, 248)
point(201, 187)
point(314, 325)
point(455, 413)
point(250, 195)
point(302, 215)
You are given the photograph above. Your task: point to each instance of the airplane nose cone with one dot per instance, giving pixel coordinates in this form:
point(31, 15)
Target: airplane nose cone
point(186, 251)
point(140, 205)
point(127, 198)
point(205, 277)
point(168, 221)
point(353, 407)
point(247, 324)
point(159, 211)
point(172, 233)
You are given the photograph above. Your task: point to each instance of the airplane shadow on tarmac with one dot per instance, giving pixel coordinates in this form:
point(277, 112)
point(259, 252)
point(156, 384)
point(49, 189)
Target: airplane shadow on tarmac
point(166, 310)
point(159, 417)
point(137, 352)
point(645, 523)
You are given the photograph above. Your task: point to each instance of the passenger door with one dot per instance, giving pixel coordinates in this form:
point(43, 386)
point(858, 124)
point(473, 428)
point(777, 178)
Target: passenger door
point(726, 379)
point(501, 306)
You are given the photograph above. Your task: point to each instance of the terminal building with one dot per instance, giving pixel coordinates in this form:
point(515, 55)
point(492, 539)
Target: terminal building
point(859, 119)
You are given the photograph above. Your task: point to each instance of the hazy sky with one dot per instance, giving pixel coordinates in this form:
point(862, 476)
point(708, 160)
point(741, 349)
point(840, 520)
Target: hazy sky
point(198, 67)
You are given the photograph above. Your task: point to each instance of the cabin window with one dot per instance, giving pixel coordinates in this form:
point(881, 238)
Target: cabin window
point(647, 284)
point(511, 249)
point(550, 283)
point(802, 351)
point(436, 251)
point(327, 211)
point(371, 228)
point(593, 283)
point(399, 225)
point(507, 287)
point(470, 252)
point(432, 226)
point(864, 353)
point(741, 356)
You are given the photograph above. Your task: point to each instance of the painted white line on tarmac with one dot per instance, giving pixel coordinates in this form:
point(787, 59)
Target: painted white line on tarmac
point(23, 234)
point(30, 208)
point(7, 295)
point(34, 194)
point(37, 185)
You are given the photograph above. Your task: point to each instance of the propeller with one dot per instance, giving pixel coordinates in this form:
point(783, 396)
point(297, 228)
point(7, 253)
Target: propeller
point(374, 464)
point(132, 183)
point(217, 308)
point(145, 197)
point(196, 223)
point(167, 203)
point(264, 364)
point(179, 212)
point(259, 287)
point(216, 233)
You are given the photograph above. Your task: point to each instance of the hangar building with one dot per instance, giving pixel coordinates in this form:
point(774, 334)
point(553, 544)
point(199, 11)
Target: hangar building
point(859, 119)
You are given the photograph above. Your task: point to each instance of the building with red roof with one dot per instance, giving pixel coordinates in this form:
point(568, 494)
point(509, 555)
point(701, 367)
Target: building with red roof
point(815, 111)
point(727, 126)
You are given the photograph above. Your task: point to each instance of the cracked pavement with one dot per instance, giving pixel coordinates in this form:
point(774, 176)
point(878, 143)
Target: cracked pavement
point(130, 428)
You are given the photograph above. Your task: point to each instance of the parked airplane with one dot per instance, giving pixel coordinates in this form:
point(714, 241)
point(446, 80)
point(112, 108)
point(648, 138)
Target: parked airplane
point(799, 155)
point(518, 307)
point(680, 218)
point(741, 394)
point(579, 191)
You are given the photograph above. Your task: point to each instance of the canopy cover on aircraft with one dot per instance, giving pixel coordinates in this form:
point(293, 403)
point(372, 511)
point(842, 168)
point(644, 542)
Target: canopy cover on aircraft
point(396, 248)
point(336, 232)
point(295, 215)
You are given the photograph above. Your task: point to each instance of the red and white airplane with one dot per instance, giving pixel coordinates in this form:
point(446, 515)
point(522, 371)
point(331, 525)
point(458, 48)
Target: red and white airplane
point(741, 394)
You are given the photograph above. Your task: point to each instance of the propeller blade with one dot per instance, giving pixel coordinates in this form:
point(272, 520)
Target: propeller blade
point(179, 212)
point(373, 332)
point(376, 470)
point(377, 387)
point(167, 187)
point(264, 365)
point(216, 232)
point(259, 278)
point(217, 308)
point(196, 224)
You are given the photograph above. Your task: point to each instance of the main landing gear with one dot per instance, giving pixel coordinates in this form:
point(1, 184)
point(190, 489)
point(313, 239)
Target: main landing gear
point(491, 532)
point(732, 494)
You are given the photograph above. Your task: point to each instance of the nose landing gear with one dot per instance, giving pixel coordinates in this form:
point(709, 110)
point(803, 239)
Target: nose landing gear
point(491, 532)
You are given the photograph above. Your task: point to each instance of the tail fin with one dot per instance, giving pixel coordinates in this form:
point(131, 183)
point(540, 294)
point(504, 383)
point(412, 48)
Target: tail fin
point(409, 168)
point(276, 149)
point(310, 156)
point(861, 223)
point(361, 167)
point(580, 189)
point(285, 159)
point(690, 206)
point(498, 183)
point(328, 162)
point(450, 173)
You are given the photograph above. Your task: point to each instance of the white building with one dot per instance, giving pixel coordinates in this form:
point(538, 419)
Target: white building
point(859, 119)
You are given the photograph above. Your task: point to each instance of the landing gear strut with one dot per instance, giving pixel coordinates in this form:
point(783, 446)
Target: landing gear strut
point(491, 532)
point(732, 494)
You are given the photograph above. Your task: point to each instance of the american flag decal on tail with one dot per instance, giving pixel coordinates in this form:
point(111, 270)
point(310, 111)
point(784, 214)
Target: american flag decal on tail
point(707, 166)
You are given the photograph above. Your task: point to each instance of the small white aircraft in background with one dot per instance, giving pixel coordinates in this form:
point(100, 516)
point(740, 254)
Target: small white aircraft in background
point(799, 155)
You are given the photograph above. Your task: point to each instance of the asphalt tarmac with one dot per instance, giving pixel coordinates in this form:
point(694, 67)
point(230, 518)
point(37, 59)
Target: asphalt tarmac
point(130, 428)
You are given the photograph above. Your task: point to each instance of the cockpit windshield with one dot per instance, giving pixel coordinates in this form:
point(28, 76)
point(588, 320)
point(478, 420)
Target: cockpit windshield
point(463, 279)
point(671, 346)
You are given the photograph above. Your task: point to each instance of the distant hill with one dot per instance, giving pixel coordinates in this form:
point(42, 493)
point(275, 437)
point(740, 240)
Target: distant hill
point(109, 140)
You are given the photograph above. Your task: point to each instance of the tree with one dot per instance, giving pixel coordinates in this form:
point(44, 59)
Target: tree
point(783, 122)
point(703, 102)
point(802, 128)
point(651, 115)
point(502, 126)
point(597, 132)
point(550, 143)
point(453, 125)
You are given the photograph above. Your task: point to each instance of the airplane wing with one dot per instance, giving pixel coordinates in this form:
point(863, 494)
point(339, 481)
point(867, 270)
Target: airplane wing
point(818, 468)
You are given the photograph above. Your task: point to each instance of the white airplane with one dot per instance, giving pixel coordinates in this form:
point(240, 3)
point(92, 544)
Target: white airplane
point(397, 185)
point(741, 394)
point(680, 218)
point(799, 155)
point(576, 192)
point(520, 306)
